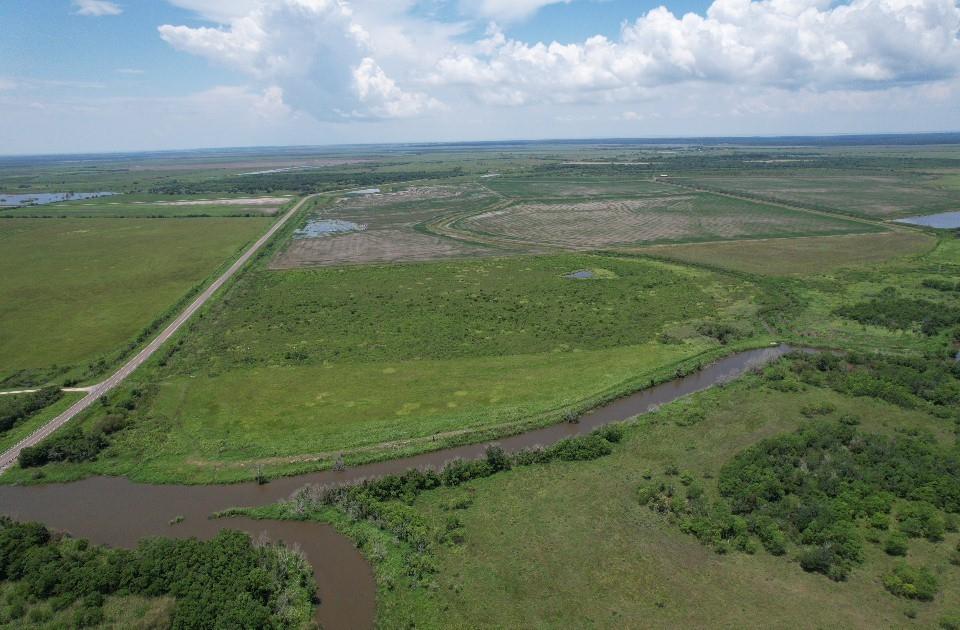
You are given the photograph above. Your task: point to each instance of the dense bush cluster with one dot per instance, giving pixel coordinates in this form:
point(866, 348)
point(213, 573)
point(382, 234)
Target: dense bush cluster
point(911, 582)
point(74, 444)
point(818, 488)
point(385, 501)
point(910, 382)
point(16, 409)
point(227, 582)
point(890, 310)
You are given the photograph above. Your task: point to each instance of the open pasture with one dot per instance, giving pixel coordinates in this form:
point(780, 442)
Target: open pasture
point(389, 234)
point(691, 217)
point(153, 206)
point(289, 368)
point(865, 194)
point(799, 256)
point(74, 290)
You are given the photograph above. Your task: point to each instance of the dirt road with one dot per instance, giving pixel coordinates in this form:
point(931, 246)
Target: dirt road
point(9, 458)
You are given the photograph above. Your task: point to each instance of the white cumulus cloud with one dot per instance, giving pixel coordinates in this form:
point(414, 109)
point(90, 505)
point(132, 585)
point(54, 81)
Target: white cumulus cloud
point(96, 8)
point(317, 51)
point(795, 44)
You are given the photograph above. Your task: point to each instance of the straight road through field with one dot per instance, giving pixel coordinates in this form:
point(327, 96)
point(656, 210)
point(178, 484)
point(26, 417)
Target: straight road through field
point(96, 391)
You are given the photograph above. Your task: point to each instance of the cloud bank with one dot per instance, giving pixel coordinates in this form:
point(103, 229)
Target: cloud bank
point(371, 59)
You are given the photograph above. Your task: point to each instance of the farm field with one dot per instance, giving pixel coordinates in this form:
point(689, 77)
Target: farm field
point(864, 194)
point(74, 291)
point(799, 256)
point(696, 217)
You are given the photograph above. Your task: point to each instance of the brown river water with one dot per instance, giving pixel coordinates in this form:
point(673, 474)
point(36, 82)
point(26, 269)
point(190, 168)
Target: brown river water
point(117, 512)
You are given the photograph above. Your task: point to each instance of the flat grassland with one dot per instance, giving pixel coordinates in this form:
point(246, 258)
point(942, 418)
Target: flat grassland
point(154, 206)
point(585, 186)
point(569, 544)
point(288, 369)
point(868, 195)
point(74, 290)
point(693, 217)
point(799, 256)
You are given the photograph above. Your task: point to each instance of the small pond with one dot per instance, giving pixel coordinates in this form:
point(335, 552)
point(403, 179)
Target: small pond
point(582, 274)
point(943, 220)
point(38, 199)
point(316, 228)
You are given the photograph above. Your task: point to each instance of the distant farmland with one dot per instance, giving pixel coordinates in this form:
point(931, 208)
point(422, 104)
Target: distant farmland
point(74, 290)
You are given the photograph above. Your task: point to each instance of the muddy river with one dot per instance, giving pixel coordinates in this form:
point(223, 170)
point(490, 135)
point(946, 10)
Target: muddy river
point(118, 512)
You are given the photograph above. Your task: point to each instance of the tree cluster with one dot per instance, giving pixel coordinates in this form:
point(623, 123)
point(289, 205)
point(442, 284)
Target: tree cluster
point(227, 582)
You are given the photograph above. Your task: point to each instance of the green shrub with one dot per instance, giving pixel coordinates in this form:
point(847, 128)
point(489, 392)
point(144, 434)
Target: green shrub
point(896, 544)
point(911, 582)
point(922, 520)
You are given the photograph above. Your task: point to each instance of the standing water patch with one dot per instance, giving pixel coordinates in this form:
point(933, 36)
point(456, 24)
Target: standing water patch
point(944, 220)
point(316, 228)
point(39, 199)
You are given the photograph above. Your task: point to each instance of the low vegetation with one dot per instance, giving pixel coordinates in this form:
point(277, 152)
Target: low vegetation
point(75, 292)
point(17, 408)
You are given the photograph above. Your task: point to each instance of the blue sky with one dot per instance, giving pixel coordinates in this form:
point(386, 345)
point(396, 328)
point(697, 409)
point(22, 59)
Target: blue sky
point(99, 75)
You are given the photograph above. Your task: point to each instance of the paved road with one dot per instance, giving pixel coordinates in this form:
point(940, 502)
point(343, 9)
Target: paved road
point(96, 391)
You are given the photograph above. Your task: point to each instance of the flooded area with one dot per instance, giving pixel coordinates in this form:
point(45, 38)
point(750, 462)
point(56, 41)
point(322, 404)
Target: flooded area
point(316, 228)
point(118, 512)
point(943, 220)
point(39, 199)
point(583, 274)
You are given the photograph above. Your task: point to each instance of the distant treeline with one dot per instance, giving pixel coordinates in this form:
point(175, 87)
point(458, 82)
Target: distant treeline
point(297, 182)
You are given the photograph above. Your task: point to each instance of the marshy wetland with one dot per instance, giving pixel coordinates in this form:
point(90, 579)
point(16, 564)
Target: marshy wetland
point(511, 401)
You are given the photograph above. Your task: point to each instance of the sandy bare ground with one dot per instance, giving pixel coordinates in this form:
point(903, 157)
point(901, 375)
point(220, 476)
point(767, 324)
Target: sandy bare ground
point(384, 245)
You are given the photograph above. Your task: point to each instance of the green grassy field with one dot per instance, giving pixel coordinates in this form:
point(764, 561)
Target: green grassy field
point(569, 544)
point(800, 256)
point(289, 369)
point(156, 206)
point(880, 196)
point(75, 290)
point(623, 564)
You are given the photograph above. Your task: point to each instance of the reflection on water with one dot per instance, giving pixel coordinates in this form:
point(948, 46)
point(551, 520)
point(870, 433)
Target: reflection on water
point(943, 220)
point(316, 228)
point(39, 199)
